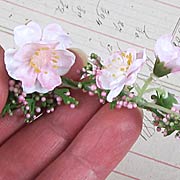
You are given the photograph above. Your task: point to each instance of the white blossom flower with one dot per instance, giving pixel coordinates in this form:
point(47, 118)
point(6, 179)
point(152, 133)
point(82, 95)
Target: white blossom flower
point(119, 69)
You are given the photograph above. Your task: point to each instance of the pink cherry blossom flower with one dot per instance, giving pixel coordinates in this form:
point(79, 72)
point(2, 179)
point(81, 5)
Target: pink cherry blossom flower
point(168, 53)
point(120, 69)
point(41, 57)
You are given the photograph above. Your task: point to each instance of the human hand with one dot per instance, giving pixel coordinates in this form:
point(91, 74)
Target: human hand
point(70, 144)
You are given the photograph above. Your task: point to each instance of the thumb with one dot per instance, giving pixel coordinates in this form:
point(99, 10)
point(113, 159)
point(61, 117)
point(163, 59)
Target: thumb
point(3, 81)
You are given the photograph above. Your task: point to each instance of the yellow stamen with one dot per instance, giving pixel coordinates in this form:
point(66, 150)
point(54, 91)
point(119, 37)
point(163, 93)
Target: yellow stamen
point(54, 61)
point(32, 64)
point(55, 67)
point(122, 69)
point(39, 62)
point(123, 54)
point(44, 48)
point(37, 70)
point(37, 53)
point(56, 57)
point(129, 61)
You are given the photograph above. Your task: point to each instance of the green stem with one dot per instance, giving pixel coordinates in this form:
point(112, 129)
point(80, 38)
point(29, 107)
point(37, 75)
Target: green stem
point(150, 90)
point(137, 88)
point(160, 108)
point(146, 84)
point(66, 82)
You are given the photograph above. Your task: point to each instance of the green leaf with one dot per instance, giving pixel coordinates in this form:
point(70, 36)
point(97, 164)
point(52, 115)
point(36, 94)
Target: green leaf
point(69, 83)
point(5, 109)
point(9, 106)
point(66, 99)
point(61, 92)
point(169, 132)
point(86, 84)
point(113, 104)
point(31, 103)
point(165, 99)
point(159, 68)
point(44, 104)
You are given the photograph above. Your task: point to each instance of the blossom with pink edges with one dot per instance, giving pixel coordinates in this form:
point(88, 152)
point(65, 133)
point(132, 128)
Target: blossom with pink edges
point(119, 69)
point(41, 57)
point(168, 53)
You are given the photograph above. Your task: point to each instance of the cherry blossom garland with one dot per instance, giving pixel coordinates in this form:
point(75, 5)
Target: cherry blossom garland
point(38, 65)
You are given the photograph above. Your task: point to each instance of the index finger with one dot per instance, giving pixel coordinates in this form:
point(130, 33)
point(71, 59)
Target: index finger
point(3, 80)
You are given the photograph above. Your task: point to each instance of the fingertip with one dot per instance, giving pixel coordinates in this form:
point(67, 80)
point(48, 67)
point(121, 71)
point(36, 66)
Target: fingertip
point(99, 146)
point(81, 59)
point(132, 119)
point(81, 55)
point(127, 119)
point(110, 134)
point(3, 80)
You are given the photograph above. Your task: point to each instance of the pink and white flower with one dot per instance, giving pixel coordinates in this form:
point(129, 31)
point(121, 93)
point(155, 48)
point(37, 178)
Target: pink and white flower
point(168, 53)
point(120, 69)
point(41, 58)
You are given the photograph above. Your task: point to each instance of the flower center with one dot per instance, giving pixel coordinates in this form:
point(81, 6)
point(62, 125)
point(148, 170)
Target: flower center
point(120, 64)
point(42, 57)
point(126, 61)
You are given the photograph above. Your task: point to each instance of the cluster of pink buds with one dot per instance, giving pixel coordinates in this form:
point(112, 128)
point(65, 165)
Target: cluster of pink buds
point(35, 104)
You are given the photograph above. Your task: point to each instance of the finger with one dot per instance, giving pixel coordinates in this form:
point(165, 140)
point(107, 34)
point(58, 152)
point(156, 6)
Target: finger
point(8, 125)
point(81, 59)
point(98, 148)
point(36, 145)
point(3, 80)
point(48, 136)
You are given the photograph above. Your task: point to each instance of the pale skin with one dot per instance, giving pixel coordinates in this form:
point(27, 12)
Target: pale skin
point(85, 143)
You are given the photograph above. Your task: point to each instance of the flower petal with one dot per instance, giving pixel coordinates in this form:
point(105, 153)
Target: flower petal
point(10, 62)
point(131, 78)
point(27, 33)
point(132, 51)
point(35, 88)
point(177, 105)
point(119, 80)
point(135, 67)
point(114, 92)
point(49, 80)
point(65, 61)
point(26, 52)
point(165, 50)
point(138, 62)
point(174, 65)
point(25, 74)
point(108, 60)
point(103, 79)
point(54, 32)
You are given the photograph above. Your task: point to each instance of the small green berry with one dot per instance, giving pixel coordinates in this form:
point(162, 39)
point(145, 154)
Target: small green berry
point(94, 56)
point(80, 85)
point(171, 124)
